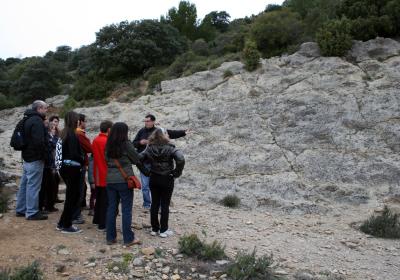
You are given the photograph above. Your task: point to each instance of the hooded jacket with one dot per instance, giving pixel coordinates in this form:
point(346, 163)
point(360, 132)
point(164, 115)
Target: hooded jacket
point(35, 135)
point(161, 158)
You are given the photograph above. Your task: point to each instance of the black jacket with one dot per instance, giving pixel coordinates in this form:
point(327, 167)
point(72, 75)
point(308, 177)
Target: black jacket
point(161, 159)
point(144, 133)
point(72, 150)
point(34, 137)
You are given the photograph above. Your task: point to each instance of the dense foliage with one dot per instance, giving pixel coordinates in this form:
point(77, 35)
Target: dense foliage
point(137, 53)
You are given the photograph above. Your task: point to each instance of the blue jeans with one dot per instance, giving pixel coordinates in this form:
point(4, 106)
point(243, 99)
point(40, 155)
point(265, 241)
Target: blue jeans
point(29, 187)
point(146, 188)
point(115, 193)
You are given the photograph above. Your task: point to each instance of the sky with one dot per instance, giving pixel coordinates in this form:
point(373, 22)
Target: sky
point(34, 27)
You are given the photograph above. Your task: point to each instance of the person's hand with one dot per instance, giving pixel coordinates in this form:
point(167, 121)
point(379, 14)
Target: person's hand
point(144, 142)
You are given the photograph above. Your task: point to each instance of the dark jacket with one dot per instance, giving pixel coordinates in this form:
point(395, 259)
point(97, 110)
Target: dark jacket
point(162, 157)
point(34, 136)
point(144, 133)
point(72, 150)
point(129, 157)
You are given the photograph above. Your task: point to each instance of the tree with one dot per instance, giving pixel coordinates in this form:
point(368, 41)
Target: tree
point(219, 20)
point(334, 37)
point(275, 31)
point(251, 56)
point(184, 19)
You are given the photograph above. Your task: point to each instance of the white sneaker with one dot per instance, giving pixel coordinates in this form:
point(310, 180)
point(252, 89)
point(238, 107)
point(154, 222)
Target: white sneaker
point(166, 233)
point(154, 233)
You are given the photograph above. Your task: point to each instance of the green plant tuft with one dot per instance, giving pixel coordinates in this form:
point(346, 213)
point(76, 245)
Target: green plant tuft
point(248, 266)
point(4, 200)
point(231, 201)
point(251, 56)
point(29, 272)
point(191, 245)
point(227, 74)
point(334, 38)
point(387, 225)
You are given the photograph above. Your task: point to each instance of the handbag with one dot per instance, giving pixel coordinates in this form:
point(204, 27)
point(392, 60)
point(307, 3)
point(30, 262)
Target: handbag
point(133, 181)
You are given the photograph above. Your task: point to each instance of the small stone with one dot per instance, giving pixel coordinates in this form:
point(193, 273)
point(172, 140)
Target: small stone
point(164, 277)
point(166, 270)
point(137, 274)
point(92, 264)
point(175, 277)
point(60, 268)
point(223, 276)
point(1, 216)
point(63, 252)
point(222, 262)
point(148, 251)
point(137, 226)
point(281, 272)
point(137, 262)
point(115, 268)
point(174, 252)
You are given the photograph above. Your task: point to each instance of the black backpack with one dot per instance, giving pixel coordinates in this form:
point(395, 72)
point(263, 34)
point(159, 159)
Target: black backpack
point(17, 138)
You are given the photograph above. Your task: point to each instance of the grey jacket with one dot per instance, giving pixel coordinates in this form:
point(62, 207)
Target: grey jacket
point(129, 157)
point(162, 158)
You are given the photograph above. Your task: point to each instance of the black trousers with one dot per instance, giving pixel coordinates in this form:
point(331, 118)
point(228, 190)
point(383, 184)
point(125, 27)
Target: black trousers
point(57, 186)
point(161, 188)
point(47, 190)
point(100, 207)
point(72, 179)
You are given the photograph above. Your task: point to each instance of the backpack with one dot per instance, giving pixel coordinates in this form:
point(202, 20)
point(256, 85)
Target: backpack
point(17, 138)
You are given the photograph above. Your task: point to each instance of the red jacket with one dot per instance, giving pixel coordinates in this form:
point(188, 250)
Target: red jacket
point(85, 144)
point(99, 161)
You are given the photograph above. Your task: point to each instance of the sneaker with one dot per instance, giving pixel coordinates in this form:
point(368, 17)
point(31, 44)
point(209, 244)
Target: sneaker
point(37, 217)
point(58, 227)
point(166, 233)
point(19, 214)
point(101, 229)
point(78, 221)
point(71, 229)
point(154, 233)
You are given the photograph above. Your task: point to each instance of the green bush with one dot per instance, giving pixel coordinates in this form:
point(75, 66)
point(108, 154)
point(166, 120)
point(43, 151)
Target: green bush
point(248, 266)
point(4, 199)
point(231, 201)
point(227, 74)
point(191, 245)
point(7, 102)
point(30, 272)
point(275, 31)
point(156, 79)
point(387, 225)
point(334, 38)
point(69, 105)
point(251, 56)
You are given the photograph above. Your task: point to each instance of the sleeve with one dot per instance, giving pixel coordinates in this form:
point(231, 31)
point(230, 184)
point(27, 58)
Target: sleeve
point(85, 143)
point(38, 135)
point(136, 141)
point(179, 163)
point(58, 157)
point(134, 157)
point(90, 170)
point(174, 134)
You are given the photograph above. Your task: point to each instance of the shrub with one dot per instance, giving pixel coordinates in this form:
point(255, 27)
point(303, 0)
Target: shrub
point(227, 74)
point(156, 78)
point(121, 265)
point(191, 245)
point(334, 38)
point(4, 199)
point(275, 31)
point(387, 225)
point(231, 201)
point(251, 56)
point(248, 266)
point(30, 272)
point(200, 47)
point(69, 105)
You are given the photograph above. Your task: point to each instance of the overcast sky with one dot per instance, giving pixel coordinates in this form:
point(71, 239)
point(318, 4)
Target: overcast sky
point(33, 27)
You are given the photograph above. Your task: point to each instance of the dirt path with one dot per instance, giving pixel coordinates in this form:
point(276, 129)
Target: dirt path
point(320, 244)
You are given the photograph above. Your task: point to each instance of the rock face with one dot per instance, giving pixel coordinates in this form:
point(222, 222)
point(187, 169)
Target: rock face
point(301, 133)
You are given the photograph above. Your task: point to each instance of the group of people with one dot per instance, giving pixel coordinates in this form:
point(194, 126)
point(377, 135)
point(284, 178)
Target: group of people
point(107, 161)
